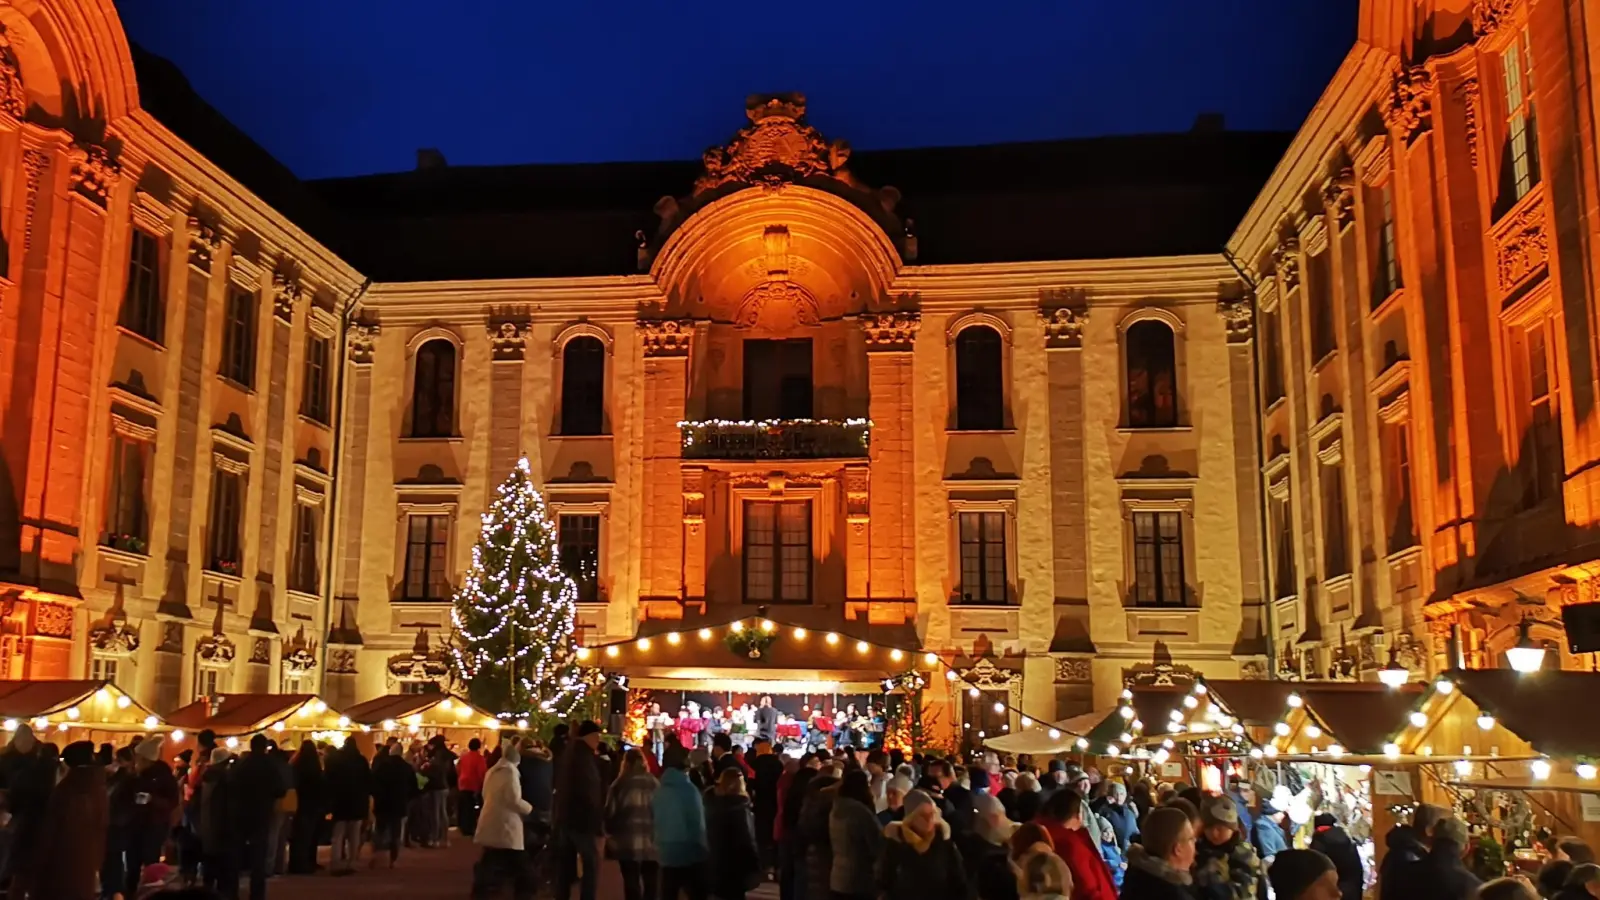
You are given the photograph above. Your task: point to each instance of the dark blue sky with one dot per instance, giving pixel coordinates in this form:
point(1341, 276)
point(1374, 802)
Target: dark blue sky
point(348, 87)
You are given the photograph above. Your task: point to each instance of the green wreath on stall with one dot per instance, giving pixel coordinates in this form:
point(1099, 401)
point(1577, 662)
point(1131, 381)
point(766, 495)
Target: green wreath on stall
point(751, 643)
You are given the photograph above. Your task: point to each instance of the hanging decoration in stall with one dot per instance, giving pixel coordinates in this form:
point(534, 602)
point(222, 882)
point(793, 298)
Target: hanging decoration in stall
point(751, 643)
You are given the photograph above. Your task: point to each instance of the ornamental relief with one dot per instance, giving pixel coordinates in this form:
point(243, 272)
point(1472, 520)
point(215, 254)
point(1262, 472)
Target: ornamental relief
point(1522, 246)
point(52, 620)
point(1073, 670)
point(1408, 107)
point(13, 98)
point(778, 146)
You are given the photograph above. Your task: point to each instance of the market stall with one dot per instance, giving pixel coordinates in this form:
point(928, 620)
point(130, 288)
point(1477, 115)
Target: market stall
point(420, 717)
point(286, 718)
point(63, 711)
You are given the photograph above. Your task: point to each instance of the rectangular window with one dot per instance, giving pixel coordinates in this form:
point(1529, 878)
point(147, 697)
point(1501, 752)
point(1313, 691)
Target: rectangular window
point(239, 337)
point(579, 537)
point(1336, 539)
point(127, 525)
point(426, 537)
point(1396, 438)
point(314, 396)
point(103, 668)
point(205, 682)
point(227, 509)
point(777, 551)
point(142, 312)
point(292, 684)
point(983, 557)
point(303, 561)
point(777, 379)
point(1386, 264)
point(418, 687)
point(1272, 358)
point(1158, 559)
point(1519, 166)
point(1283, 572)
point(1543, 466)
point(1319, 294)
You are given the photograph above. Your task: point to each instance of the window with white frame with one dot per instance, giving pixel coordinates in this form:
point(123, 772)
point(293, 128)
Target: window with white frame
point(103, 668)
point(1386, 258)
point(1541, 454)
point(207, 681)
point(1158, 565)
point(777, 551)
point(1519, 158)
point(982, 539)
point(427, 547)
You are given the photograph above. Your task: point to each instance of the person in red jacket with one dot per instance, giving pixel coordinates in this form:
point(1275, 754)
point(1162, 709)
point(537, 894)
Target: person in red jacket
point(470, 771)
point(1062, 817)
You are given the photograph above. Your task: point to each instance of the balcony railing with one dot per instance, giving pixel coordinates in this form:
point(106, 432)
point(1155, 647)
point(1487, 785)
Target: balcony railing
point(775, 439)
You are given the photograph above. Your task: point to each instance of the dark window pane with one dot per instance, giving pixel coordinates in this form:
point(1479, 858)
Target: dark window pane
point(425, 558)
point(1152, 376)
point(980, 394)
point(142, 310)
point(579, 537)
point(1158, 559)
point(777, 379)
point(982, 538)
point(238, 337)
point(433, 396)
point(314, 398)
point(777, 551)
point(583, 386)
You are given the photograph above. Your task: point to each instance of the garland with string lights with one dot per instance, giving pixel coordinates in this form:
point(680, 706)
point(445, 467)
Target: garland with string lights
point(515, 613)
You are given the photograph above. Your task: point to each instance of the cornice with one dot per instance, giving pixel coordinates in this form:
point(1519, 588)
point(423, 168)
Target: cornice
point(149, 141)
point(1338, 113)
point(1017, 285)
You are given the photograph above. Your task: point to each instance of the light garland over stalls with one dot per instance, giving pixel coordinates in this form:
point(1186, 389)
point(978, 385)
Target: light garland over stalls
point(1435, 702)
point(516, 611)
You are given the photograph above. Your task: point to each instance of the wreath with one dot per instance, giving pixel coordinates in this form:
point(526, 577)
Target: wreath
point(750, 642)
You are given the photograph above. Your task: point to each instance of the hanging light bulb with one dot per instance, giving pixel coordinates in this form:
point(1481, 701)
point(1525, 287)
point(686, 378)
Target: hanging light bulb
point(1527, 655)
point(930, 658)
point(1463, 768)
point(705, 634)
point(1255, 753)
point(999, 707)
point(832, 638)
point(1127, 693)
point(1393, 674)
point(862, 646)
point(612, 651)
point(1295, 702)
point(799, 634)
point(1391, 750)
point(1281, 729)
point(1444, 685)
point(1271, 751)
point(583, 653)
point(1335, 750)
point(896, 655)
point(1200, 688)
point(1027, 722)
point(768, 626)
point(1485, 722)
point(644, 643)
point(1540, 768)
point(673, 638)
point(972, 692)
point(1313, 732)
point(737, 627)
point(1054, 734)
point(1190, 702)
point(1082, 743)
point(1586, 771)
point(1418, 719)
point(950, 675)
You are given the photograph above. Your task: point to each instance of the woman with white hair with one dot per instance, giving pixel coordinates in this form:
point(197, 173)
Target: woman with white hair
point(500, 829)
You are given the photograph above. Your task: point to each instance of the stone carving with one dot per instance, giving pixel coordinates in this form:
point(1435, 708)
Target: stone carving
point(1236, 318)
point(363, 342)
point(1468, 91)
point(1286, 261)
point(52, 620)
point(777, 147)
point(1339, 195)
point(286, 294)
point(891, 330)
point(694, 498)
point(666, 337)
point(204, 240)
point(34, 162)
point(508, 340)
point(1408, 107)
point(986, 676)
point(171, 637)
point(424, 663)
point(300, 654)
point(776, 290)
point(13, 98)
point(1522, 247)
point(1073, 670)
point(857, 493)
point(112, 636)
point(1253, 670)
point(216, 650)
point(261, 651)
point(1063, 327)
point(93, 173)
point(342, 662)
point(1158, 674)
point(1487, 15)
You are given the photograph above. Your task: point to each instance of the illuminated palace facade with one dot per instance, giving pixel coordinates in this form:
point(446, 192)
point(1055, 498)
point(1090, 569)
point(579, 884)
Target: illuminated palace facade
point(1063, 413)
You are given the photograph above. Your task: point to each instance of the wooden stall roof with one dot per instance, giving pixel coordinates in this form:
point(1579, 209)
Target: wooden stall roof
point(49, 698)
point(240, 714)
point(800, 648)
point(399, 707)
point(1254, 702)
point(1152, 707)
point(1362, 715)
point(1551, 710)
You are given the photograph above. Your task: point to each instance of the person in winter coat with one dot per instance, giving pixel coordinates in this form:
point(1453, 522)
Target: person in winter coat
point(394, 784)
point(1407, 849)
point(1333, 842)
point(986, 851)
point(219, 853)
point(1583, 883)
point(1268, 837)
point(1078, 844)
point(1442, 875)
point(256, 783)
point(894, 798)
point(920, 860)
point(630, 826)
point(311, 806)
point(1112, 854)
point(1158, 866)
point(156, 803)
point(470, 769)
point(349, 802)
point(538, 778)
point(791, 846)
point(816, 849)
point(735, 867)
point(499, 830)
point(680, 829)
point(1114, 810)
point(1303, 875)
point(1042, 875)
point(768, 769)
point(1029, 798)
point(27, 775)
point(1226, 866)
point(72, 834)
point(856, 839)
point(578, 810)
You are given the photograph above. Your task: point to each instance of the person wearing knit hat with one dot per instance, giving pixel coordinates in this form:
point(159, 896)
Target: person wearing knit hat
point(149, 749)
point(1113, 810)
point(155, 798)
point(894, 793)
point(1225, 862)
point(1303, 875)
point(920, 860)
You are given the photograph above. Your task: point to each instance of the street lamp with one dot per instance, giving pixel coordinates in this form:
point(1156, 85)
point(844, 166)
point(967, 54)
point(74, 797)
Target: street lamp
point(1526, 656)
point(1393, 674)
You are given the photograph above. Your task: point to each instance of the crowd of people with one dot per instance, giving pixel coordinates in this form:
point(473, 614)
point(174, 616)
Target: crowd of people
point(695, 726)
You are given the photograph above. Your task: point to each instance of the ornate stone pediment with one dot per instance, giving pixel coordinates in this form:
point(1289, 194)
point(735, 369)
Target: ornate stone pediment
point(1487, 15)
point(891, 330)
point(112, 635)
point(1339, 195)
point(286, 294)
point(666, 337)
point(1236, 316)
point(363, 342)
point(1063, 327)
point(215, 651)
point(985, 675)
point(424, 663)
point(777, 147)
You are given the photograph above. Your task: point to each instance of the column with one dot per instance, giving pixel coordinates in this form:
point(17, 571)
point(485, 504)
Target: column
point(1063, 341)
point(361, 343)
point(1237, 313)
point(858, 518)
point(694, 532)
point(666, 371)
point(891, 531)
point(275, 408)
point(508, 340)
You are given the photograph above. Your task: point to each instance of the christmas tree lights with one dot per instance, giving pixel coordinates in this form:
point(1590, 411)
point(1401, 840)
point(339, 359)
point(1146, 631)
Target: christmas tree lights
point(516, 610)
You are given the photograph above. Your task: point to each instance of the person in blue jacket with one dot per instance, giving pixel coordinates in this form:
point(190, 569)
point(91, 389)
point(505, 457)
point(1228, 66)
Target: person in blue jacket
point(680, 829)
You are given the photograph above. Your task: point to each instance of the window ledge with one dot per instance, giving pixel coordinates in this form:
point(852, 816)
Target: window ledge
point(1388, 303)
point(606, 436)
point(1162, 429)
point(221, 577)
point(1324, 359)
point(315, 422)
point(126, 557)
point(146, 340)
point(414, 439)
point(238, 386)
point(304, 595)
point(1157, 608)
point(1405, 554)
point(999, 431)
point(1272, 405)
point(1336, 582)
point(983, 604)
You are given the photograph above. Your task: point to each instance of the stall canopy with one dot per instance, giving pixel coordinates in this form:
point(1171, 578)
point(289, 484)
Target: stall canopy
point(434, 712)
point(235, 715)
point(70, 705)
point(1552, 711)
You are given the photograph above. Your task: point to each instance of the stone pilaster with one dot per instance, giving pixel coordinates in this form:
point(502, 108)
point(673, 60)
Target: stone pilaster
point(694, 531)
point(892, 490)
point(666, 371)
point(1063, 331)
point(1237, 323)
point(508, 341)
point(361, 344)
point(285, 298)
point(858, 517)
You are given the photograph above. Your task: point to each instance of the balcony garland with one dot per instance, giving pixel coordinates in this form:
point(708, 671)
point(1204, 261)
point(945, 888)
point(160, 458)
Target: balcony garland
point(763, 438)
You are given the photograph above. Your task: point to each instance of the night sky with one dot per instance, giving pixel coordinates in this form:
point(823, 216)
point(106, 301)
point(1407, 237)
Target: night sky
point(350, 87)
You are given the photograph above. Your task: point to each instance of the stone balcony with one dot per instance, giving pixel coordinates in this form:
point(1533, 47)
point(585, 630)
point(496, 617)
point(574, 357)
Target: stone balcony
point(775, 439)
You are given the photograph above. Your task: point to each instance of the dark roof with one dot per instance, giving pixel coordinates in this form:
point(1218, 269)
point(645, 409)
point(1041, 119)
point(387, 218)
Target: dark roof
point(26, 699)
point(1550, 710)
point(1362, 716)
point(1098, 198)
point(238, 713)
point(1254, 702)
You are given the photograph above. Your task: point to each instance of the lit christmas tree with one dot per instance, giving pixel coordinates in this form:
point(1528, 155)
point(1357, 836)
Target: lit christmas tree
point(515, 611)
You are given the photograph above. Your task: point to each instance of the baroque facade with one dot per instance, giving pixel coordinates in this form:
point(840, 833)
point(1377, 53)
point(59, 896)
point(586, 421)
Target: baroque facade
point(1021, 404)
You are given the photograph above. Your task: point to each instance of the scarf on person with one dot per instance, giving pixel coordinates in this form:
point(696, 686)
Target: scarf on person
point(918, 842)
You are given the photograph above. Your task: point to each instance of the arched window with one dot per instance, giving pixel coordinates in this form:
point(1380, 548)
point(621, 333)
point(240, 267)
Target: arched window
point(980, 399)
point(583, 386)
point(433, 394)
point(1152, 376)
